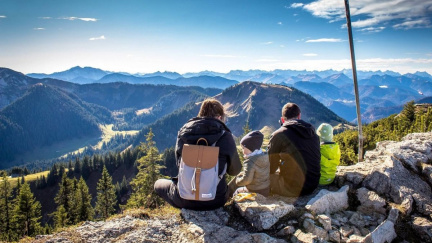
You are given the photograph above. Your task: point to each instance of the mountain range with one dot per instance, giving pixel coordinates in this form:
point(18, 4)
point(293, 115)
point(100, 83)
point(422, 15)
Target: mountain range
point(164, 101)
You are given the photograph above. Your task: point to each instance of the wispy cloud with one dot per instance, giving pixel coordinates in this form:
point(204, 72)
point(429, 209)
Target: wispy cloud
point(411, 24)
point(267, 60)
point(324, 40)
point(83, 19)
point(45, 18)
point(102, 37)
point(39, 28)
point(297, 5)
point(219, 56)
point(2, 17)
point(373, 29)
point(267, 43)
point(279, 23)
point(310, 54)
point(406, 13)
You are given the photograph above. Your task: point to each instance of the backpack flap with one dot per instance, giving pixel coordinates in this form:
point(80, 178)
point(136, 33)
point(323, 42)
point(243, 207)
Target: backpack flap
point(202, 160)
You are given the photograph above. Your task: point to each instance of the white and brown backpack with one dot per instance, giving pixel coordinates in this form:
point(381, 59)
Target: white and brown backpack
point(199, 176)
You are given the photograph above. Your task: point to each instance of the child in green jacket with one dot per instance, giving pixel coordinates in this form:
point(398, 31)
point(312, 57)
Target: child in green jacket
point(330, 154)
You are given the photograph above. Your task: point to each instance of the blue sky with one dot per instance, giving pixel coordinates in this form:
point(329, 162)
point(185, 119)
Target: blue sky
point(140, 36)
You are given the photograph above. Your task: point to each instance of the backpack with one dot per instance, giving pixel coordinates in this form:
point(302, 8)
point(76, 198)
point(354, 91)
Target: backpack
point(198, 176)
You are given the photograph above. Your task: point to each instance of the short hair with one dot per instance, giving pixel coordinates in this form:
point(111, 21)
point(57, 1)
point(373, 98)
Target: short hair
point(290, 111)
point(211, 108)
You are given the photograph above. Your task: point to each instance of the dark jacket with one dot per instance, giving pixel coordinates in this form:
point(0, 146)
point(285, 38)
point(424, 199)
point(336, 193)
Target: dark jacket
point(295, 148)
point(212, 130)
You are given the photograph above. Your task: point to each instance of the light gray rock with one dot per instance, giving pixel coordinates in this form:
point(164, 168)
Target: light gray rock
point(357, 220)
point(370, 201)
point(300, 237)
point(334, 236)
point(325, 221)
point(263, 213)
point(385, 232)
point(346, 231)
point(329, 202)
point(310, 227)
point(355, 239)
point(427, 172)
point(392, 180)
point(288, 230)
point(423, 227)
point(218, 216)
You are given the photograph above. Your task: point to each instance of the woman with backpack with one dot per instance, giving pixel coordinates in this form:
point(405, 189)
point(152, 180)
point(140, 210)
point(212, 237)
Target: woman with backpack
point(208, 128)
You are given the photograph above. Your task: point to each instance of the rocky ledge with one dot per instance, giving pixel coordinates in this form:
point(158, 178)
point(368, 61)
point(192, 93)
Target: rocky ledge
point(386, 198)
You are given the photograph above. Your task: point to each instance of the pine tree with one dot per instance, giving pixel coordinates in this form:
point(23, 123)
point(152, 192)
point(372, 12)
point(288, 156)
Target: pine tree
point(64, 198)
point(148, 172)
point(85, 209)
point(6, 209)
point(27, 213)
point(106, 197)
point(60, 217)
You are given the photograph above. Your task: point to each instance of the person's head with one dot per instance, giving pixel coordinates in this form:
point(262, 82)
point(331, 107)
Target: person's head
point(290, 111)
point(212, 108)
point(325, 132)
point(251, 142)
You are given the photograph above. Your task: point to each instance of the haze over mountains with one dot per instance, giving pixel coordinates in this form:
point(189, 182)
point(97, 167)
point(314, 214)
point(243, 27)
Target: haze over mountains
point(164, 101)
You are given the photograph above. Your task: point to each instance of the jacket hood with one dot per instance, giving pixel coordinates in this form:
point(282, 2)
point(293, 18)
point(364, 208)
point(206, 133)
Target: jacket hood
point(211, 129)
point(302, 128)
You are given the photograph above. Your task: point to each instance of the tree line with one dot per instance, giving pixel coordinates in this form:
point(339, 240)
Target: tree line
point(412, 119)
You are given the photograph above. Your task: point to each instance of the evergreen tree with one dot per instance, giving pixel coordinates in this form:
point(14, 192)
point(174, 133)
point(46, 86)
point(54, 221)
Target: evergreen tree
point(6, 209)
point(246, 129)
point(85, 209)
point(77, 167)
point(60, 217)
point(27, 213)
point(148, 172)
point(70, 171)
point(106, 197)
point(64, 198)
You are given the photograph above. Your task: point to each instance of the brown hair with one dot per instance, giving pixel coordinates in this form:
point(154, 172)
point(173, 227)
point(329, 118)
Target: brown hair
point(290, 111)
point(212, 108)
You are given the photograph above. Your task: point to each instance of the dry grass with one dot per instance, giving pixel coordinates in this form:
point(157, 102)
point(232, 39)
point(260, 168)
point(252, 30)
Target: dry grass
point(29, 178)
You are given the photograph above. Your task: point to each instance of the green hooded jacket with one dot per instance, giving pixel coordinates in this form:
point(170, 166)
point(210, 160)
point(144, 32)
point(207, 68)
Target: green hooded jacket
point(330, 159)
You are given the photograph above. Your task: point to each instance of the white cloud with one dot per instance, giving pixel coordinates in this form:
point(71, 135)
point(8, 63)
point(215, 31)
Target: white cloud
point(102, 37)
point(267, 43)
point(310, 54)
point(39, 28)
point(411, 24)
point(45, 17)
point(266, 60)
point(83, 19)
point(297, 5)
point(219, 56)
point(373, 29)
point(2, 17)
point(368, 13)
point(279, 23)
point(324, 40)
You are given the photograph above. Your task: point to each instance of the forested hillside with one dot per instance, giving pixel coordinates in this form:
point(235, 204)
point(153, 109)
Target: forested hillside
point(46, 115)
point(413, 118)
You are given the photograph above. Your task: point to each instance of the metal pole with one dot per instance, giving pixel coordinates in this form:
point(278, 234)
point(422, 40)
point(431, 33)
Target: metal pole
point(354, 70)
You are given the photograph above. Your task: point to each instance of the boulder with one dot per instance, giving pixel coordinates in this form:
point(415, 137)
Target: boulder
point(423, 228)
point(262, 213)
point(370, 201)
point(385, 232)
point(329, 202)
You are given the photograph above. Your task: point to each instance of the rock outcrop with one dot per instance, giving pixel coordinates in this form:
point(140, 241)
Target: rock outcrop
point(386, 198)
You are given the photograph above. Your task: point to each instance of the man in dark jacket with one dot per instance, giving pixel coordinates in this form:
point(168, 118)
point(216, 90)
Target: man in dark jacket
point(208, 125)
point(295, 149)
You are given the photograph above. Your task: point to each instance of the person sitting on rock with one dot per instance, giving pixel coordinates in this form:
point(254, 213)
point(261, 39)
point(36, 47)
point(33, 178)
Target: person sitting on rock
point(209, 124)
point(294, 149)
point(255, 176)
point(330, 154)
